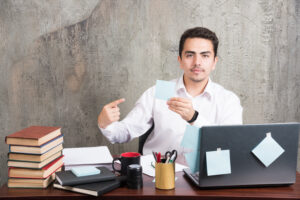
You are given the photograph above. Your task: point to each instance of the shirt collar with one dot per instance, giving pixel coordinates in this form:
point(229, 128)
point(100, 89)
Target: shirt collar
point(207, 91)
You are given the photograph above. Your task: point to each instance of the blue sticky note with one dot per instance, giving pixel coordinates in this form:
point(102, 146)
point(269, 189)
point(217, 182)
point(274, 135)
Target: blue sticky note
point(218, 162)
point(85, 171)
point(193, 160)
point(268, 150)
point(164, 90)
point(191, 138)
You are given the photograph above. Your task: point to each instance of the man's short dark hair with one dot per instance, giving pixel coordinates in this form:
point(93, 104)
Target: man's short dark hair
point(199, 32)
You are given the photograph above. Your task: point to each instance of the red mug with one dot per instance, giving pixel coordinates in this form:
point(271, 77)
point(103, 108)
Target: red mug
point(126, 159)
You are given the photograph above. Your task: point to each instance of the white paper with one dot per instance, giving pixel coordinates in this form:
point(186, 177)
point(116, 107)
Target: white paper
point(87, 155)
point(149, 170)
point(108, 166)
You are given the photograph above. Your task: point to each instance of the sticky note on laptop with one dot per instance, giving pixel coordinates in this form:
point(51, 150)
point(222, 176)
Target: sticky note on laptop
point(85, 171)
point(193, 160)
point(191, 141)
point(268, 150)
point(164, 90)
point(191, 137)
point(218, 162)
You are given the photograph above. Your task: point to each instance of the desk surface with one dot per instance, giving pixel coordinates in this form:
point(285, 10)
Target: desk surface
point(184, 188)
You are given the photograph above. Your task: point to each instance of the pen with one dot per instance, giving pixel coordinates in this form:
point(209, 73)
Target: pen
point(158, 157)
point(153, 165)
point(172, 159)
point(154, 156)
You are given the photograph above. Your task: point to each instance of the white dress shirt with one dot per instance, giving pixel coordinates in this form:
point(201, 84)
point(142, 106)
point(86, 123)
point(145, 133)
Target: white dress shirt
point(216, 106)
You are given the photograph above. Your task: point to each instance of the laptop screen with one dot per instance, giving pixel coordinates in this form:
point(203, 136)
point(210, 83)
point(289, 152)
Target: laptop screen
point(235, 144)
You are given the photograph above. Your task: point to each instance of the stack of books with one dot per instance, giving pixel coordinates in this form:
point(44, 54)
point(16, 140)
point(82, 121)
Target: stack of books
point(86, 182)
point(35, 154)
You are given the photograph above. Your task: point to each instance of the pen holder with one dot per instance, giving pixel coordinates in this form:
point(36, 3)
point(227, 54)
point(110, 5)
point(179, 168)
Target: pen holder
point(165, 176)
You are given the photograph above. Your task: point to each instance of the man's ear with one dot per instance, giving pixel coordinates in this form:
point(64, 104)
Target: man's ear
point(179, 60)
point(215, 62)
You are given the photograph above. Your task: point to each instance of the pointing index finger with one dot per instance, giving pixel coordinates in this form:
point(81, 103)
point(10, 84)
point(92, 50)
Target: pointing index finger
point(116, 102)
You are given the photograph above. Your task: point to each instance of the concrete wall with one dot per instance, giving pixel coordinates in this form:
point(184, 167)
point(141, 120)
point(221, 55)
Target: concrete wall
point(61, 61)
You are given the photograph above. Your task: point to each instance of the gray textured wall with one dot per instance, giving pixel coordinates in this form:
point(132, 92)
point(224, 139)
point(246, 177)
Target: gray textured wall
point(61, 61)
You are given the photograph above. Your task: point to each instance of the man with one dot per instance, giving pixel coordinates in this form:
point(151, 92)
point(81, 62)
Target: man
point(198, 101)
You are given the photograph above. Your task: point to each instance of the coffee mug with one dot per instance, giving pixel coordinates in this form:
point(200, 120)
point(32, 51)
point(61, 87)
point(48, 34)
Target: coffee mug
point(126, 159)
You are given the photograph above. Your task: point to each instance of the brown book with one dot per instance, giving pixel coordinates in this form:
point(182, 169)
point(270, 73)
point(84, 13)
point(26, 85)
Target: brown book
point(34, 165)
point(39, 149)
point(34, 157)
point(31, 183)
point(33, 135)
point(45, 172)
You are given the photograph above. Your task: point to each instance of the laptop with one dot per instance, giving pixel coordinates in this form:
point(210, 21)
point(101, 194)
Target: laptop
point(246, 169)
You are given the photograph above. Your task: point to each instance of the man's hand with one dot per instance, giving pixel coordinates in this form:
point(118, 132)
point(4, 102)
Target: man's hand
point(110, 113)
point(182, 106)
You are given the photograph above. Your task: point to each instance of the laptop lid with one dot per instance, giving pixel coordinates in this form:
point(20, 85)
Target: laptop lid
point(246, 168)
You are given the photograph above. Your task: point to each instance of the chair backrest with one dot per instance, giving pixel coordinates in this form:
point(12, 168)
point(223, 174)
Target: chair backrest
point(143, 138)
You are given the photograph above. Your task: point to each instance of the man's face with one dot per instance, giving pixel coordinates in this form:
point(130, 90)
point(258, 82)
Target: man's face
point(197, 59)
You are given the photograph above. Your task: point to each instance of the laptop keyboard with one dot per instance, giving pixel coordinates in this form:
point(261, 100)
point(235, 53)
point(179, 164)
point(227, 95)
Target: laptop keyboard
point(195, 176)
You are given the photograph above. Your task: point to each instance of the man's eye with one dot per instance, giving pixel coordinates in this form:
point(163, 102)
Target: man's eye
point(205, 56)
point(189, 55)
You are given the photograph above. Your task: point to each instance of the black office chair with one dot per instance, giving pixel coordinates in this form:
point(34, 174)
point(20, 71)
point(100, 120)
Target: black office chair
point(143, 138)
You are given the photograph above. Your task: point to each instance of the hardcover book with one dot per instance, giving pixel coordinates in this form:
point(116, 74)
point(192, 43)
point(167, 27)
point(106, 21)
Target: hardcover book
point(14, 172)
point(33, 135)
point(67, 178)
point(38, 150)
point(30, 183)
point(95, 189)
point(34, 157)
point(35, 165)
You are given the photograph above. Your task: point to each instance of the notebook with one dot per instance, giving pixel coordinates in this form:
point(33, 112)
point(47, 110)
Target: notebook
point(95, 189)
point(67, 178)
point(246, 168)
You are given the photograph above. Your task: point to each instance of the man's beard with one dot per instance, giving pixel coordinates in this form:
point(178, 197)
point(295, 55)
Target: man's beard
point(194, 79)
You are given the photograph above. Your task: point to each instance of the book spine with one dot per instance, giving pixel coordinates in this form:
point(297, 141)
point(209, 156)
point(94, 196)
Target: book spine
point(108, 189)
point(41, 177)
point(86, 181)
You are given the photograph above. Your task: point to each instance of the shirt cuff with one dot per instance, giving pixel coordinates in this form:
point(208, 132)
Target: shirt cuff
point(201, 121)
point(107, 132)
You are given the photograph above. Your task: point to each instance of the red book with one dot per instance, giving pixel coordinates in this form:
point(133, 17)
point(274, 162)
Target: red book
point(45, 172)
point(33, 136)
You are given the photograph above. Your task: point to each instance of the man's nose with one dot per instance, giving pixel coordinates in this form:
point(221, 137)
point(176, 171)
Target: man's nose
point(197, 60)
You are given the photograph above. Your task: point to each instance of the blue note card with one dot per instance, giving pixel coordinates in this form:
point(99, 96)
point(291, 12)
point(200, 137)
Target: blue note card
point(268, 150)
point(193, 160)
point(85, 171)
point(191, 141)
point(164, 90)
point(191, 138)
point(218, 162)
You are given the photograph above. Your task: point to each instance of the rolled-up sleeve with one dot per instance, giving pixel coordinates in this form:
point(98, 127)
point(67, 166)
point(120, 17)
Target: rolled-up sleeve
point(136, 123)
